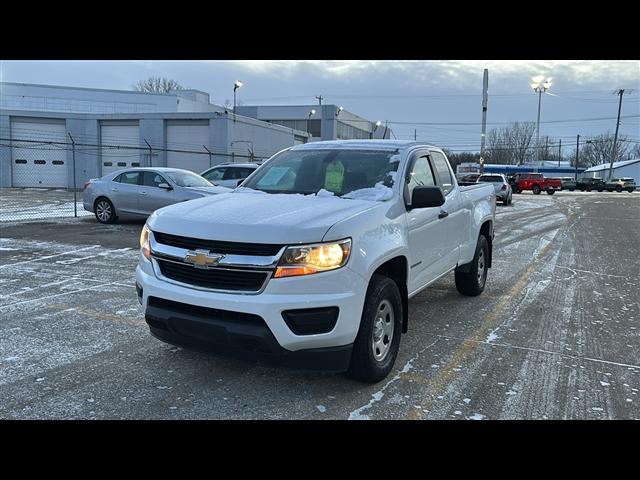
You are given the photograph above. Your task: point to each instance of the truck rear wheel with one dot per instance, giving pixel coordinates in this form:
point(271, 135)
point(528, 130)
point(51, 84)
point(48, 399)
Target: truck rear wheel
point(378, 341)
point(470, 281)
point(536, 189)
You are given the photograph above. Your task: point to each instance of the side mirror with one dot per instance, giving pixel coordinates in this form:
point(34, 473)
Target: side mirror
point(425, 197)
point(166, 186)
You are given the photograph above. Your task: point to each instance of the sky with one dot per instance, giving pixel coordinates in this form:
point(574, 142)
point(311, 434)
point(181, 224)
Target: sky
point(438, 101)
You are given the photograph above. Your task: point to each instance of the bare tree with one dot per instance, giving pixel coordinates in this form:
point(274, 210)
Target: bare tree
point(597, 150)
point(513, 144)
point(635, 151)
point(157, 85)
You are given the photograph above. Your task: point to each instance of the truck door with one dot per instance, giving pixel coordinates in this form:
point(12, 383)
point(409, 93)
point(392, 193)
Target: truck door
point(455, 221)
point(427, 232)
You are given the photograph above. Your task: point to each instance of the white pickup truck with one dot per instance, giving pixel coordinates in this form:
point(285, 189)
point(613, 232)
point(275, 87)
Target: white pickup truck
point(312, 260)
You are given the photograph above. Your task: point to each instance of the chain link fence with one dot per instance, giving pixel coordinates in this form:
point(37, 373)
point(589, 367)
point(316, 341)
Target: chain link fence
point(47, 176)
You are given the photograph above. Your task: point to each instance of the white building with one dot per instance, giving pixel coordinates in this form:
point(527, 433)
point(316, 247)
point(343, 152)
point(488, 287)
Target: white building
point(628, 168)
point(115, 129)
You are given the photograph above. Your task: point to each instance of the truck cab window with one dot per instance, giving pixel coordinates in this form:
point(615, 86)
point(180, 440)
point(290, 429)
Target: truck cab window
point(419, 176)
point(444, 174)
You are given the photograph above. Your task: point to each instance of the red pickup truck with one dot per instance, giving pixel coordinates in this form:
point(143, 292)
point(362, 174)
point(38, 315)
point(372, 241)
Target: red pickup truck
point(536, 182)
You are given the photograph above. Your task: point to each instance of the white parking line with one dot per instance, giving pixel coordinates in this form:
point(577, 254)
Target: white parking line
point(46, 257)
point(57, 295)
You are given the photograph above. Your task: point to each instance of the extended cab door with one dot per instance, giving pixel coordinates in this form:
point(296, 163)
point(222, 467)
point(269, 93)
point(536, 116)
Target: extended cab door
point(455, 221)
point(427, 230)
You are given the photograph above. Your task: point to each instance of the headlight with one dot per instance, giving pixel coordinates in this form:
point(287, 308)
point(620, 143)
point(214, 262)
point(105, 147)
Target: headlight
point(144, 242)
point(308, 259)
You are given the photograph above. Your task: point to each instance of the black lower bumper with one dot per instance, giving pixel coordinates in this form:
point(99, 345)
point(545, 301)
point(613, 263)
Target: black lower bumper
point(235, 334)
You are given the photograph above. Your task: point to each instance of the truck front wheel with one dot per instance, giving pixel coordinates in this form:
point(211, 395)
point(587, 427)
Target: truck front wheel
point(536, 190)
point(377, 343)
point(471, 278)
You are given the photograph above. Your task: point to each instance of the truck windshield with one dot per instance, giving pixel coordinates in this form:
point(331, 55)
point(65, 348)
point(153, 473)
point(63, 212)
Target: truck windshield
point(356, 174)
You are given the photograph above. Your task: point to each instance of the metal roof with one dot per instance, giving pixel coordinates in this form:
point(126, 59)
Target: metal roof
point(605, 166)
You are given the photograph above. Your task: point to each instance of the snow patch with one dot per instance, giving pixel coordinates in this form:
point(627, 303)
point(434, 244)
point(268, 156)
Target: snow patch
point(321, 408)
point(378, 193)
point(477, 416)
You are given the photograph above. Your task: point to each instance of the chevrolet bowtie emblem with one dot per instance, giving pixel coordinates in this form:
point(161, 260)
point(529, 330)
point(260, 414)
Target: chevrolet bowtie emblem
point(202, 258)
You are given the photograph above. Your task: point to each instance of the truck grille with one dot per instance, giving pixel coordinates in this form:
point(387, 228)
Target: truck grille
point(215, 246)
point(214, 278)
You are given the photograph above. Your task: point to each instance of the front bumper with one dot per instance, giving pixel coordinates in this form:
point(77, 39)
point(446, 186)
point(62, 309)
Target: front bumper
point(275, 341)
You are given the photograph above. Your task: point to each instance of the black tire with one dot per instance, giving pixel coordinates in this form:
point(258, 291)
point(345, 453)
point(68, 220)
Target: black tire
point(510, 199)
point(515, 190)
point(103, 204)
point(364, 366)
point(588, 189)
point(536, 190)
point(471, 283)
point(571, 189)
point(551, 192)
point(618, 188)
point(505, 202)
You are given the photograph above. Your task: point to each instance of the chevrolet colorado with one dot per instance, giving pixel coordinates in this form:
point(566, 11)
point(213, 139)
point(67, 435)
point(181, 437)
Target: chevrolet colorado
point(312, 261)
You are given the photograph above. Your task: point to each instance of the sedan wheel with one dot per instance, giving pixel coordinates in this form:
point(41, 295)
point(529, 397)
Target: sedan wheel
point(105, 212)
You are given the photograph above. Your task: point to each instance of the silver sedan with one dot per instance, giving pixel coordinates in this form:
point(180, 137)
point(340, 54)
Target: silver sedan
point(137, 192)
point(502, 188)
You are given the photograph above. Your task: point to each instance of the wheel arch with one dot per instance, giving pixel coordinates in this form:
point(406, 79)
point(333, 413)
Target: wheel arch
point(397, 269)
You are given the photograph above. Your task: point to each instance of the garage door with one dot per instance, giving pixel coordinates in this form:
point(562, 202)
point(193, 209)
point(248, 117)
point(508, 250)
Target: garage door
point(119, 135)
point(188, 137)
point(37, 164)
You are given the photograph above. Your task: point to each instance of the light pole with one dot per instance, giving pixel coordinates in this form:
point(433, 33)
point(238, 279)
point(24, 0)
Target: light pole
point(237, 84)
point(540, 85)
point(375, 127)
point(340, 108)
point(311, 113)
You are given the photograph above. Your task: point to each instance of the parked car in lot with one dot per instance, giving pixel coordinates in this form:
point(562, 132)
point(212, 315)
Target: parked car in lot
point(471, 178)
point(620, 184)
point(536, 182)
point(137, 192)
point(565, 181)
point(229, 174)
point(501, 187)
point(312, 261)
point(585, 184)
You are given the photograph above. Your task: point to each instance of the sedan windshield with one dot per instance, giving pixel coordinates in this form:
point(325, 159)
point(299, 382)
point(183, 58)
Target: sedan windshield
point(356, 174)
point(188, 179)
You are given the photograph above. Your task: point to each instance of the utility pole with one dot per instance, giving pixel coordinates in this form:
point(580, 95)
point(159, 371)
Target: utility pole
point(577, 155)
point(483, 135)
point(559, 152)
point(320, 98)
point(384, 135)
point(618, 92)
point(73, 157)
point(546, 148)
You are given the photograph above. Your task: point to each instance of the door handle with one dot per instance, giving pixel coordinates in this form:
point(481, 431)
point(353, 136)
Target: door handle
point(443, 214)
point(114, 190)
point(143, 193)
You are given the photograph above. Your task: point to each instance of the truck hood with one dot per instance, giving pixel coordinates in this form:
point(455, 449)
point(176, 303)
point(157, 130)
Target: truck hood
point(253, 217)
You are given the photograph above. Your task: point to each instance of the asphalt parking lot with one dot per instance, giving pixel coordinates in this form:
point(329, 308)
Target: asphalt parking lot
point(555, 335)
